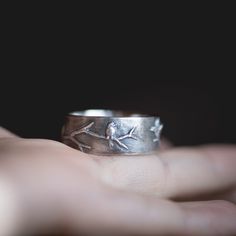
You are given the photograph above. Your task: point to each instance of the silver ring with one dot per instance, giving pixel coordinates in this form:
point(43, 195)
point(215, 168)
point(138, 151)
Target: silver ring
point(106, 132)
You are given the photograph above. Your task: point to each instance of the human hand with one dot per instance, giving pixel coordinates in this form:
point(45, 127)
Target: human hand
point(170, 193)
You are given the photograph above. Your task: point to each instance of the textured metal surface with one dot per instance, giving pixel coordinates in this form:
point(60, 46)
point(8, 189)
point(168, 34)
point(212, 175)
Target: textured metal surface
point(105, 132)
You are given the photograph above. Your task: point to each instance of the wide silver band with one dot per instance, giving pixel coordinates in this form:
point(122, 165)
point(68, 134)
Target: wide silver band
point(106, 132)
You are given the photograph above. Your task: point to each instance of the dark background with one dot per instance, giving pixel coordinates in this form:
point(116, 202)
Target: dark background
point(193, 112)
point(180, 67)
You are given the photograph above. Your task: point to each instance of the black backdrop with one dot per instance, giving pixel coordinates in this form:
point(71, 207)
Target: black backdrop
point(193, 111)
point(180, 68)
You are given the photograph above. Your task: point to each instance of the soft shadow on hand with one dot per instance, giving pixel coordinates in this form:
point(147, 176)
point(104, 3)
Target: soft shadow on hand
point(162, 194)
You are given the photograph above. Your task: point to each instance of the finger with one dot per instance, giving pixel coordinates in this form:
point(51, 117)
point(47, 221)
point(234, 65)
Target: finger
point(128, 214)
point(177, 173)
point(227, 195)
point(6, 133)
point(8, 209)
point(210, 217)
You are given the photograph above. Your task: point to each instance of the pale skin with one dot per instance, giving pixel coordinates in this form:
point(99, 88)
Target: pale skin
point(178, 191)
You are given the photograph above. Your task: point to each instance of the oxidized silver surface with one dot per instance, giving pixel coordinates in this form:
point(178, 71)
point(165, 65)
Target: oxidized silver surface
point(105, 132)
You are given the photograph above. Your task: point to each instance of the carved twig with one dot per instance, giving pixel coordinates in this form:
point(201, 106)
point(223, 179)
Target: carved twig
point(81, 146)
point(84, 129)
point(91, 133)
point(129, 135)
point(120, 143)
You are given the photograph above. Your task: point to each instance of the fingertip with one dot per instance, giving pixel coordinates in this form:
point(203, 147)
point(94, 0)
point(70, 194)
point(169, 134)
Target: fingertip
point(4, 133)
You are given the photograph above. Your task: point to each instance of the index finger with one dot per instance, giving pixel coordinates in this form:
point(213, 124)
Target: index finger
point(180, 172)
point(4, 133)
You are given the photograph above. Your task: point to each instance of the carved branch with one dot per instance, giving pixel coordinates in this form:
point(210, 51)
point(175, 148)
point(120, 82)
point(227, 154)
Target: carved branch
point(111, 139)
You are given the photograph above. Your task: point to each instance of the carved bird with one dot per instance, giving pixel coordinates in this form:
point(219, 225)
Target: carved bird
point(111, 130)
